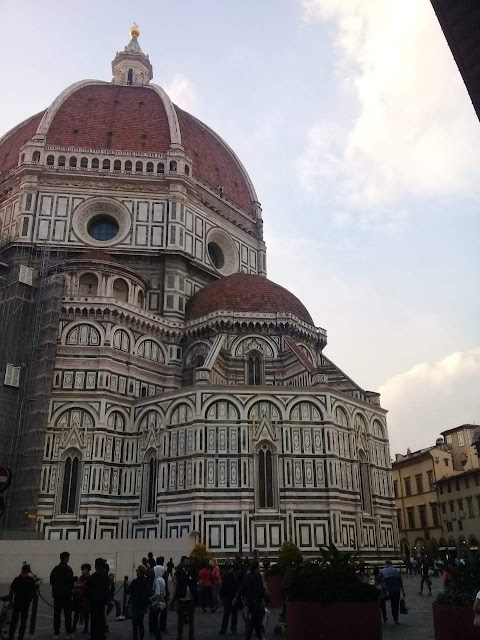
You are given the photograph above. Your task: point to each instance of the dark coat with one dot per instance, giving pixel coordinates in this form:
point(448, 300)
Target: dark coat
point(62, 581)
point(98, 588)
point(185, 578)
point(253, 590)
point(23, 589)
point(139, 592)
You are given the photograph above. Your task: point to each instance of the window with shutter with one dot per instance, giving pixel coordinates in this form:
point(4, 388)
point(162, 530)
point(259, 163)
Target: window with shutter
point(12, 376)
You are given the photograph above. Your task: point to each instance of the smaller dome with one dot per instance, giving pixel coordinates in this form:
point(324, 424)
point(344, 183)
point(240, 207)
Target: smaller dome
point(248, 293)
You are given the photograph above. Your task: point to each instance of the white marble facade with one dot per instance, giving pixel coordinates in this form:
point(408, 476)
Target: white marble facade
point(156, 426)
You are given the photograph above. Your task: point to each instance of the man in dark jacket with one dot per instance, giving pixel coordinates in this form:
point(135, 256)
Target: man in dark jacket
point(22, 590)
point(62, 582)
point(98, 596)
point(231, 587)
point(255, 595)
point(186, 593)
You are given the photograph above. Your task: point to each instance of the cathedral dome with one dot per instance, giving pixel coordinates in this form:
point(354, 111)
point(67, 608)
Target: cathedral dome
point(244, 292)
point(132, 115)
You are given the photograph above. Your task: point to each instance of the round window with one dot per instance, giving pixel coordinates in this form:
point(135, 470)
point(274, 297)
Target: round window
point(216, 255)
point(103, 228)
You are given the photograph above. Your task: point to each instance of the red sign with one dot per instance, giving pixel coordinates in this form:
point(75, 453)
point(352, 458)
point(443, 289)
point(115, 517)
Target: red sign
point(5, 478)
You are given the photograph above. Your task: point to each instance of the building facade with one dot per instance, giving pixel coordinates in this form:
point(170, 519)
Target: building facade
point(459, 505)
point(415, 477)
point(156, 382)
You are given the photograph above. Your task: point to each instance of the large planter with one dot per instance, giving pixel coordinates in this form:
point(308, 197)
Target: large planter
point(276, 586)
point(454, 623)
point(337, 621)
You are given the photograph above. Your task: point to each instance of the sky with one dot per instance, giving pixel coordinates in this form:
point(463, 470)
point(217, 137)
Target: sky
point(359, 135)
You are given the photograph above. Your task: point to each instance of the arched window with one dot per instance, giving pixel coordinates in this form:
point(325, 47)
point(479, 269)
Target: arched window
point(121, 340)
point(149, 167)
point(150, 350)
point(173, 166)
point(128, 165)
point(140, 299)
point(83, 334)
point(73, 161)
point(187, 170)
point(365, 490)
point(160, 167)
point(61, 161)
point(88, 285)
point(36, 156)
point(116, 421)
point(106, 164)
point(120, 290)
point(130, 76)
point(265, 478)
point(95, 163)
point(70, 485)
point(50, 161)
point(151, 494)
point(117, 165)
point(254, 369)
point(139, 167)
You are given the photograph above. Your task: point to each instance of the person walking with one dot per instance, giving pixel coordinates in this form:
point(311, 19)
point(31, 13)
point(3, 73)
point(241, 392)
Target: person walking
point(158, 604)
point(170, 568)
point(256, 597)
point(98, 596)
point(186, 593)
point(379, 583)
point(425, 573)
point(62, 581)
point(114, 602)
point(79, 600)
point(230, 594)
point(22, 590)
point(206, 596)
point(394, 585)
point(151, 560)
point(139, 593)
point(216, 579)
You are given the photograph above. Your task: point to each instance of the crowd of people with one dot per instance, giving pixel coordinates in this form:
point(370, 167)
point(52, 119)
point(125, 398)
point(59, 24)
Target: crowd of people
point(85, 602)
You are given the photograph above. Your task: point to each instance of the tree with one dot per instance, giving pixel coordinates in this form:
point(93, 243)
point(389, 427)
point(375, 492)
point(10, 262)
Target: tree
point(289, 554)
point(200, 556)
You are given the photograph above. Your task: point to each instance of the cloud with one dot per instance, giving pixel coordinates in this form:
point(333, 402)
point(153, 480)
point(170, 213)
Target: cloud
point(414, 131)
point(432, 397)
point(181, 91)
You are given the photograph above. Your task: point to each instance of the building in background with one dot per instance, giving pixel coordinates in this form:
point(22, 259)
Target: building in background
point(414, 480)
point(463, 443)
point(460, 21)
point(459, 505)
point(155, 382)
point(437, 494)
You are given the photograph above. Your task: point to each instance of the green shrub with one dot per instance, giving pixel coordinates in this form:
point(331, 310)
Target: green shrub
point(200, 556)
point(331, 578)
point(289, 554)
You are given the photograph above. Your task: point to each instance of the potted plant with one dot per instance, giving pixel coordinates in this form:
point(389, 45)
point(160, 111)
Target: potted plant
point(200, 556)
point(452, 610)
point(289, 555)
point(326, 599)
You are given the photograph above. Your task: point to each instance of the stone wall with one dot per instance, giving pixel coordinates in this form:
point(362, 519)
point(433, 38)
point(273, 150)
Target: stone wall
point(123, 556)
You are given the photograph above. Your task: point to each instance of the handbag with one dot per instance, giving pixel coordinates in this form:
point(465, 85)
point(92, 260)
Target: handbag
point(157, 603)
point(403, 606)
point(476, 619)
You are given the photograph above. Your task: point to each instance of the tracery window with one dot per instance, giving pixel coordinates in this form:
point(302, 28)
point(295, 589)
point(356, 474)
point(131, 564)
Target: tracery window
point(149, 167)
point(95, 163)
point(121, 340)
point(50, 161)
point(83, 334)
point(84, 163)
point(128, 165)
point(116, 421)
point(151, 485)
point(150, 350)
point(117, 165)
point(160, 167)
point(265, 478)
point(70, 485)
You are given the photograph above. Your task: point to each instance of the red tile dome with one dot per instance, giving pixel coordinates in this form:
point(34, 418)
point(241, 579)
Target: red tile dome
point(248, 293)
point(139, 119)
